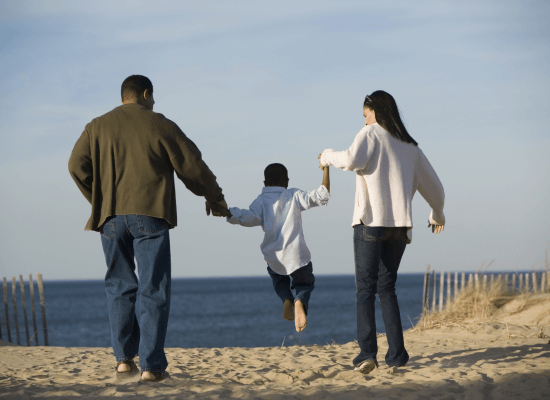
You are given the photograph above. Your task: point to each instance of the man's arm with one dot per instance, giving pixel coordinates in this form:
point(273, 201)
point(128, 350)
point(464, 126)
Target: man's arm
point(80, 166)
point(186, 159)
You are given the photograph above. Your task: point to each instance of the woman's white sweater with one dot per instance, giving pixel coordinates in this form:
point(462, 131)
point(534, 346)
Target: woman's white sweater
point(388, 173)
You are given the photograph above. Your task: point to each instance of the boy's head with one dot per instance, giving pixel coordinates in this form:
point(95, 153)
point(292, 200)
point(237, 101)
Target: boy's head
point(276, 175)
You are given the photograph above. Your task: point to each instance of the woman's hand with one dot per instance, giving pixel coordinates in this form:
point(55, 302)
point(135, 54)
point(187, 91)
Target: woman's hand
point(436, 228)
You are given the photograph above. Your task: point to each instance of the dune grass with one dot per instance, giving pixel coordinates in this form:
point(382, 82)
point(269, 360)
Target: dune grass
point(477, 303)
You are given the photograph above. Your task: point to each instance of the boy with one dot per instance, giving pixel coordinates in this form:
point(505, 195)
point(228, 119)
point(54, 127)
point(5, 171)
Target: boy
point(278, 210)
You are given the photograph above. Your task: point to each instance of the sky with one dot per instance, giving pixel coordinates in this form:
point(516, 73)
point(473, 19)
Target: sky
point(257, 82)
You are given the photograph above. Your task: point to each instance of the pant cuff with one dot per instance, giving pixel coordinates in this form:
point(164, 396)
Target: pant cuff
point(152, 370)
point(122, 359)
point(303, 303)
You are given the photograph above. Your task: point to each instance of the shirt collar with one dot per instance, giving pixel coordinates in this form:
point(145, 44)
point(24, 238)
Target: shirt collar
point(273, 189)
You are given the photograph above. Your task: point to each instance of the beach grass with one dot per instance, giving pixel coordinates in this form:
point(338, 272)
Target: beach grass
point(478, 303)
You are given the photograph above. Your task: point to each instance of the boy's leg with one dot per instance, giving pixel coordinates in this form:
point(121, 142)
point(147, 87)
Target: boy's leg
point(304, 283)
point(281, 284)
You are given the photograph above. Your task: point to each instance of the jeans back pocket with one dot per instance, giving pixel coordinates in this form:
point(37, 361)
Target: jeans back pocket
point(148, 224)
point(108, 228)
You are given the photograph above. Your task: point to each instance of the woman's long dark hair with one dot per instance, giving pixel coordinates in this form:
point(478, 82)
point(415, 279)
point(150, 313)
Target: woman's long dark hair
point(387, 115)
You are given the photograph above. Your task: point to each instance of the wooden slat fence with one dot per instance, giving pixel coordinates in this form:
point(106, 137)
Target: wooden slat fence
point(450, 286)
point(29, 338)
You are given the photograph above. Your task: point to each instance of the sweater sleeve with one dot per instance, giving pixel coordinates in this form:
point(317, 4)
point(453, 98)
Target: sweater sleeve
point(353, 159)
point(186, 159)
point(431, 189)
point(80, 166)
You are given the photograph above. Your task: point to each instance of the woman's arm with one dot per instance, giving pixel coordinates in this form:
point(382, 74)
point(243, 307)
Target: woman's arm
point(431, 189)
point(353, 159)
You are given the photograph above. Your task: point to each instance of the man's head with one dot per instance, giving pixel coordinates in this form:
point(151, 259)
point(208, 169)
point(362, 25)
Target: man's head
point(137, 89)
point(276, 175)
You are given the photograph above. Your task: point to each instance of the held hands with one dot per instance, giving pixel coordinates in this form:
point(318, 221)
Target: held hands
point(436, 228)
point(218, 209)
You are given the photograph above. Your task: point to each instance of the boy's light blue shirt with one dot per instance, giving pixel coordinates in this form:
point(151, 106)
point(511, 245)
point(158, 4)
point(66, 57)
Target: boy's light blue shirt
point(279, 212)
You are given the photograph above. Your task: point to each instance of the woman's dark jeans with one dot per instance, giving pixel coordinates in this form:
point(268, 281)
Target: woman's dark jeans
point(378, 252)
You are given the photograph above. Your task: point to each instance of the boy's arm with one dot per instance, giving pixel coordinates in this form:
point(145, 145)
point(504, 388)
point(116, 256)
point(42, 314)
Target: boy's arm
point(317, 197)
point(251, 217)
point(326, 178)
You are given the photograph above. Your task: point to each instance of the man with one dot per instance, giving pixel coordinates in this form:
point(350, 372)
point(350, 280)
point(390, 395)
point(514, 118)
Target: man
point(124, 164)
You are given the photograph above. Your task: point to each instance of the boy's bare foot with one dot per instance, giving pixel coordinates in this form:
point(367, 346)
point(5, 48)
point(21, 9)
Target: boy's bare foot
point(288, 310)
point(300, 315)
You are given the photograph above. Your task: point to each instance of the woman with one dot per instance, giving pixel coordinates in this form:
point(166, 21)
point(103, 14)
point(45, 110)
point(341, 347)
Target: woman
point(390, 168)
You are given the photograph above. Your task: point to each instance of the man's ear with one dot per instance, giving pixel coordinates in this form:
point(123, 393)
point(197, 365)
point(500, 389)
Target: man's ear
point(145, 94)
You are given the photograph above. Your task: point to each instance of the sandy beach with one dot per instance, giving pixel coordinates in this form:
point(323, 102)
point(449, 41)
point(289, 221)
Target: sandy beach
point(506, 358)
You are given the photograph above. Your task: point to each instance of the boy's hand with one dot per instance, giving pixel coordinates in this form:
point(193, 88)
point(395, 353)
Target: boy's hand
point(218, 209)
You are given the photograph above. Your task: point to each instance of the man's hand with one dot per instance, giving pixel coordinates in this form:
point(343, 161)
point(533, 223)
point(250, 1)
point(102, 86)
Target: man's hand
point(320, 165)
point(218, 209)
point(436, 228)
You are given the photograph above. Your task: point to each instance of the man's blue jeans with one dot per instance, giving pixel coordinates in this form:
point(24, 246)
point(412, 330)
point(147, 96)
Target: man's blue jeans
point(147, 239)
point(302, 280)
point(378, 252)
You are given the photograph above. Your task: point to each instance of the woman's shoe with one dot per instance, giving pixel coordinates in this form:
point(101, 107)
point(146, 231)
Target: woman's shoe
point(366, 366)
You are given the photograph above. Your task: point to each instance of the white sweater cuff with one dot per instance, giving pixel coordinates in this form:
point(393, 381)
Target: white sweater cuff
point(324, 161)
point(437, 219)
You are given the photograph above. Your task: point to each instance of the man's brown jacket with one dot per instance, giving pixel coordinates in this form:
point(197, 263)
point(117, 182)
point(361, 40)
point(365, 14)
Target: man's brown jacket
point(124, 163)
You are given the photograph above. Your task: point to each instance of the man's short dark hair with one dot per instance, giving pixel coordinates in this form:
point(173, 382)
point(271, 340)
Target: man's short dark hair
point(134, 86)
point(276, 174)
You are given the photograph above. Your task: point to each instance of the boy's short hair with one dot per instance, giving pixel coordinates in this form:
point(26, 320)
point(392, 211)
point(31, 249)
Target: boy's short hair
point(276, 174)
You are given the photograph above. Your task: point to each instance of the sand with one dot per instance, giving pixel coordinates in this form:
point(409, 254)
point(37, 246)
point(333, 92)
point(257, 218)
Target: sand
point(508, 358)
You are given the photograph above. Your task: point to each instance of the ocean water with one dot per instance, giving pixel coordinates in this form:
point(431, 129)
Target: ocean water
point(213, 312)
